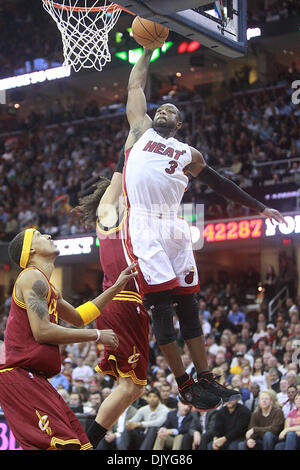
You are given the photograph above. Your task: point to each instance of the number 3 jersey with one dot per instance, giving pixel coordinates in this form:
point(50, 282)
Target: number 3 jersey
point(155, 179)
point(153, 234)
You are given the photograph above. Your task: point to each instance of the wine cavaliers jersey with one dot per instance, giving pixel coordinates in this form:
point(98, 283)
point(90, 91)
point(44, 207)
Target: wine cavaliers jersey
point(113, 261)
point(21, 349)
point(155, 178)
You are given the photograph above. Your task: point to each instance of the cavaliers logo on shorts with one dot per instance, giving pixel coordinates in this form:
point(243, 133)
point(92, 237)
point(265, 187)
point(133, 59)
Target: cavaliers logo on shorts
point(44, 423)
point(134, 358)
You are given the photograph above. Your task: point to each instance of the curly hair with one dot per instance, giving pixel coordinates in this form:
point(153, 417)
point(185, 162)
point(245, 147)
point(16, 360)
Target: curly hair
point(87, 207)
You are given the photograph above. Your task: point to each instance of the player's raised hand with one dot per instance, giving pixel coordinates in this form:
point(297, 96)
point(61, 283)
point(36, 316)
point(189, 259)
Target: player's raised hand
point(125, 276)
point(109, 338)
point(273, 214)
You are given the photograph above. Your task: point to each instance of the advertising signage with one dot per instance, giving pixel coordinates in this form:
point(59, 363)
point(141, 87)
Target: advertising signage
point(228, 231)
point(251, 228)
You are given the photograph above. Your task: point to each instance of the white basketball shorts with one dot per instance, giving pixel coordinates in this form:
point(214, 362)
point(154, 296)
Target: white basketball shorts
point(161, 245)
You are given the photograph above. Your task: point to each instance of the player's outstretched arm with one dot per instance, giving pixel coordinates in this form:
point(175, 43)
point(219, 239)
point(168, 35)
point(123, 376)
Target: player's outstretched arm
point(34, 290)
point(87, 312)
point(136, 107)
point(228, 189)
point(107, 210)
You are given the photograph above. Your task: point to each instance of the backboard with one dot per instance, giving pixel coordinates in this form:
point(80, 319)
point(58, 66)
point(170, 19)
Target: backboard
point(220, 26)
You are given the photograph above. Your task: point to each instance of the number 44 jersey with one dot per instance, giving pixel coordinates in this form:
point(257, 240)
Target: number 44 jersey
point(154, 173)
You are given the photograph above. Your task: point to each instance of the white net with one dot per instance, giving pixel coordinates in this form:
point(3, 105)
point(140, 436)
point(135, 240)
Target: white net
point(84, 26)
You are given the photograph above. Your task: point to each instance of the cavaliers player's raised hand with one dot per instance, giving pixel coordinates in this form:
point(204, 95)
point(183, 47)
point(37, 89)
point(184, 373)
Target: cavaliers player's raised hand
point(125, 276)
point(273, 214)
point(109, 338)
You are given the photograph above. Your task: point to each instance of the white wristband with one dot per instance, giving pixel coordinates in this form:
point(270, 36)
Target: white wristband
point(98, 335)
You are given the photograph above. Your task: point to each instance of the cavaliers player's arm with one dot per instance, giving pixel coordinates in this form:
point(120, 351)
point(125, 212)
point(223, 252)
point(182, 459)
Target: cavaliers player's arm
point(69, 313)
point(33, 288)
point(136, 107)
point(227, 188)
point(107, 211)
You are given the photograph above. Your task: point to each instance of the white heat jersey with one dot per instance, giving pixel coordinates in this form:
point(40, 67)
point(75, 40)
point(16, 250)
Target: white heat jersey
point(153, 234)
point(154, 173)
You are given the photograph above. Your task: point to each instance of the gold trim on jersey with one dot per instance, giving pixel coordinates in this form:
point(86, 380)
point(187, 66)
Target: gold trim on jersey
point(130, 373)
point(129, 296)
point(6, 370)
point(56, 440)
point(22, 304)
point(105, 372)
point(86, 446)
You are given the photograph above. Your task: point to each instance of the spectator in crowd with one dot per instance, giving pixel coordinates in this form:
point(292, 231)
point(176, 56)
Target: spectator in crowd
point(289, 405)
point(138, 433)
point(82, 372)
point(236, 366)
point(273, 379)
point(236, 317)
point(177, 424)
point(75, 402)
point(260, 334)
point(241, 347)
point(265, 424)
point(64, 394)
point(60, 380)
point(202, 429)
point(252, 402)
point(219, 322)
point(282, 395)
point(290, 435)
point(258, 375)
point(165, 396)
point(68, 369)
point(236, 382)
point(246, 376)
point(93, 403)
point(291, 376)
point(203, 310)
point(230, 427)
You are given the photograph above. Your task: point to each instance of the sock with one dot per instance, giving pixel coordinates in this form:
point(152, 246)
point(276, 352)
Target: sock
point(182, 379)
point(95, 433)
point(203, 373)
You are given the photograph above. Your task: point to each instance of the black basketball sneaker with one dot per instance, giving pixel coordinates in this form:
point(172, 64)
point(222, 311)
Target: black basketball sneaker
point(209, 383)
point(194, 394)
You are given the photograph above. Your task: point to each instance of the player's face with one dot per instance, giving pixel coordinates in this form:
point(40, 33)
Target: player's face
point(167, 116)
point(43, 244)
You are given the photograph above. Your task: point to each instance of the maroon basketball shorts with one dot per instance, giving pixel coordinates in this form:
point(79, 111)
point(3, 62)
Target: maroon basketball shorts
point(130, 322)
point(37, 415)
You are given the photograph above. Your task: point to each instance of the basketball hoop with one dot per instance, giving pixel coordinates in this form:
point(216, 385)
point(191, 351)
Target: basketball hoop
point(84, 26)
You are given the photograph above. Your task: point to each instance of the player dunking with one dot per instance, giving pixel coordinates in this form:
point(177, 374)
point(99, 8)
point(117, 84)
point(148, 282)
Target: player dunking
point(125, 314)
point(37, 415)
point(154, 182)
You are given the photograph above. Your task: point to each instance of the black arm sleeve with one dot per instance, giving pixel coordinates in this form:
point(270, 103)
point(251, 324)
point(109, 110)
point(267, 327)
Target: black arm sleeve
point(228, 189)
point(120, 164)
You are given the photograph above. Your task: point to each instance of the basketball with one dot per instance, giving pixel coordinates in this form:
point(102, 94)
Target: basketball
point(149, 34)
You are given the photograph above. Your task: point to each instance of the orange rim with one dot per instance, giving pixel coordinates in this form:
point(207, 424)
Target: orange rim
point(107, 8)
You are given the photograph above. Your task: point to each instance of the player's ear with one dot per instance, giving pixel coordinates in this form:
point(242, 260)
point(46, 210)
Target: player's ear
point(32, 251)
point(178, 125)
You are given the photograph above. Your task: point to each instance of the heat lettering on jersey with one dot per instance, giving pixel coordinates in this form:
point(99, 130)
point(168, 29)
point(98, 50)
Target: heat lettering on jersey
point(162, 149)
